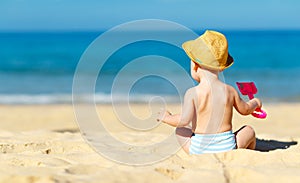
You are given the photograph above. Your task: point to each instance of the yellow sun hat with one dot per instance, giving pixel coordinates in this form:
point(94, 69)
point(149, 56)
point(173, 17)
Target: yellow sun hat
point(209, 50)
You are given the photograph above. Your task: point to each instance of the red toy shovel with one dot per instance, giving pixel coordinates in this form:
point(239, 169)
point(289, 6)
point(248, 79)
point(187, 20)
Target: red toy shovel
point(249, 88)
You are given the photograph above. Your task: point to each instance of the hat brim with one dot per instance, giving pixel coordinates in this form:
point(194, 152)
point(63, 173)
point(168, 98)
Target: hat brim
point(229, 61)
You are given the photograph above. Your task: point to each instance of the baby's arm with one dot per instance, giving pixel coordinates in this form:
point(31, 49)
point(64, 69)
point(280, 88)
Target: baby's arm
point(245, 108)
point(187, 115)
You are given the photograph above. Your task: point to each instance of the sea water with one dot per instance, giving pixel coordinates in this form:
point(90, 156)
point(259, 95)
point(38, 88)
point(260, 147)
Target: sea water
point(39, 67)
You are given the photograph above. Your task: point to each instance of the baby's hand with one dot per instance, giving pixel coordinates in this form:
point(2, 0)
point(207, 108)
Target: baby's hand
point(162, 114)
point(259, 103)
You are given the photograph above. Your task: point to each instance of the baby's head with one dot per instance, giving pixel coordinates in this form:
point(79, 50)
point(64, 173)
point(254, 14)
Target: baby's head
point(209, 51)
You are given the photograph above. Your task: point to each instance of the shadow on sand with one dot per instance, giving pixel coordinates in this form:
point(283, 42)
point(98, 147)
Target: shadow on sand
point(270, 145)
point(67, 130)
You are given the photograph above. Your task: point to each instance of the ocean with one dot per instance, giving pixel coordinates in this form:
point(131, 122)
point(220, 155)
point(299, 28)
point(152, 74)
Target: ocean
point(38, 67)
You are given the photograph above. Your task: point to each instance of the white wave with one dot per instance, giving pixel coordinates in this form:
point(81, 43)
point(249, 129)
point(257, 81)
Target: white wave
point(84, 98)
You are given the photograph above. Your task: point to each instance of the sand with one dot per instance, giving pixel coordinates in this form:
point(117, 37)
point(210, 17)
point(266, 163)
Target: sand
point(42, 143)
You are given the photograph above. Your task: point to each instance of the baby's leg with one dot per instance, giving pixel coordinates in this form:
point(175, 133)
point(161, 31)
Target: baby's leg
point(184, 135)
point(245, 137)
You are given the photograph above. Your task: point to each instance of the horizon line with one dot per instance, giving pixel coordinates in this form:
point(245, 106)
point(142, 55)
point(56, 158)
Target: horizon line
point(103, 30)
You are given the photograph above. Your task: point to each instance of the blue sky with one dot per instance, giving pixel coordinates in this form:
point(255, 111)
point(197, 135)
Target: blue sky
point(26, 15)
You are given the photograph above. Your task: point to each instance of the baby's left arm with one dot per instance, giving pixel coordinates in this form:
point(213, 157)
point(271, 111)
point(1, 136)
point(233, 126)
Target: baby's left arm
point(187, 115)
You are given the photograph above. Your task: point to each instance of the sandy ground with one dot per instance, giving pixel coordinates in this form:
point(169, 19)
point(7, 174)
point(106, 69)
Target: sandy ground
point(42, 143)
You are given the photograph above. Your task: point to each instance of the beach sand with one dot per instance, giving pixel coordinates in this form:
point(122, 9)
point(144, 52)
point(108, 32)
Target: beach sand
point(42, 143)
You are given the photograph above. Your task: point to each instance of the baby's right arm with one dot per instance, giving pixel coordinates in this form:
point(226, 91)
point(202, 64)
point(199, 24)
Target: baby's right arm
point(245, 108)
point(187, 115)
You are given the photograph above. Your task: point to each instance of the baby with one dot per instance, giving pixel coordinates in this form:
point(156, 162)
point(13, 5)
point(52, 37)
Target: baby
point(209, 105)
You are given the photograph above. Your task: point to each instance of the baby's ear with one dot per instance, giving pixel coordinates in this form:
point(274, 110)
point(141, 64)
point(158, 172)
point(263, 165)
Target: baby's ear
point(196, 67)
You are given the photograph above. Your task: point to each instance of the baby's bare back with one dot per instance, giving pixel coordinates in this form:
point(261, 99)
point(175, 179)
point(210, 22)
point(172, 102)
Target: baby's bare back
point(213, 104)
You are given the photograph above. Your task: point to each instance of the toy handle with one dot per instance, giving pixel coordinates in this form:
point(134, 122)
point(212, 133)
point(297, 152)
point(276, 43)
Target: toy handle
point(259, 113)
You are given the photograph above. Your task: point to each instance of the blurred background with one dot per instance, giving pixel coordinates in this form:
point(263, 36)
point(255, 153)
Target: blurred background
point(41, 43)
